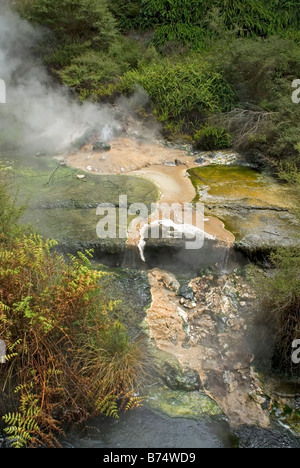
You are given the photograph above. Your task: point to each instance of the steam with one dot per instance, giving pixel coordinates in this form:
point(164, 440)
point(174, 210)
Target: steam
point(40, 116)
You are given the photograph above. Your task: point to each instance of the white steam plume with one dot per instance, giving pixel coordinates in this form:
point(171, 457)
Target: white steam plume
point(39, 116)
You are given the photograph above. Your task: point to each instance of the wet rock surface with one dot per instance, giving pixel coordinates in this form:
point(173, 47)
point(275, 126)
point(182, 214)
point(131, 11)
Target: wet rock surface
point(188, 380)
point(209, 335)
point(176, 390)
point(262, 229)
point(186, 293)
point(257, 209)
point(255, 437)
point(178, 378)
point(213, 334)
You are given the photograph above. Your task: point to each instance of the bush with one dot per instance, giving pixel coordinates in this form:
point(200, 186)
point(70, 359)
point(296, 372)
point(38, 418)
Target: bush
point(91, 68)
point(279, 294)
point(74, 20)
point(127, 13)
point(67, 360)
point(177, 20)
point(183, 92)
point(67, 357)
point(257, 17)
point(87, 52)
point(212, 138)
point(261, 72)
point(190, 22)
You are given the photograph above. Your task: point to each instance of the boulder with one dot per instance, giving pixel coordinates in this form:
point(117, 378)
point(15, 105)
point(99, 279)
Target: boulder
point(187, 293)
point(100, 146)
point(173, 375)
point(184, 379)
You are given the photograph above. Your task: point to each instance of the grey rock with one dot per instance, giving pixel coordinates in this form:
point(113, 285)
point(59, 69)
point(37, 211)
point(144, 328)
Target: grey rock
point(200, 160)
point(100, 146)
point(255, 437)
point(187, 293)
point(181, 379)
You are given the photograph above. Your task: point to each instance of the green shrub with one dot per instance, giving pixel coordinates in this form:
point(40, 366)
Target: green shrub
point(92, 69)
point(179, 33)
point(62, 55)
point(279, 314)
point(127, 13)
point(89, 70)
point(257, 17)
point(259, 69)
point(185, 91)
point(75, 20)
point(210, 138)
point(190, 22)
point(175, 20)
point(261, 72)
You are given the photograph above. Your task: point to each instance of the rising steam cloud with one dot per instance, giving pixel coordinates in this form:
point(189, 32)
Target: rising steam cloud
point(39, 116)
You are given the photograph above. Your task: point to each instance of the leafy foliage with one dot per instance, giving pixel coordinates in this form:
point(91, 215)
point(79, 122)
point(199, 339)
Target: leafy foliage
point(182, 91)
point(92, 69)
point(210, 137)
point(22, 427)
point(127, 13)
point(76, 20)
point(279, 294)
point(177, 20)
point(86, 50)
point(261, 71)
point(258, 17)
point(66, 354)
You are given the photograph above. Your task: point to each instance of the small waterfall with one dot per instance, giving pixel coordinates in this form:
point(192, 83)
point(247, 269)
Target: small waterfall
point(132, 258)
point(225, 262)
point(180, 229)
point(195, 249)
point(142, 242)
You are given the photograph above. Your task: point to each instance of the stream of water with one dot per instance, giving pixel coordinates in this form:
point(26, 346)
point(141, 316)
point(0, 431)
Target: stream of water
point(145, 428)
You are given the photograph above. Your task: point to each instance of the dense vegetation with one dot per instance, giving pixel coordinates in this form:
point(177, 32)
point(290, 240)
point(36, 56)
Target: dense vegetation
point(219, 74)
point(279, 295)
point(68, 358)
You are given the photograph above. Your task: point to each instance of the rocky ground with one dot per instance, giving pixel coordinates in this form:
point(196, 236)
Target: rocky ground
point(256, 208)
point(206, 327)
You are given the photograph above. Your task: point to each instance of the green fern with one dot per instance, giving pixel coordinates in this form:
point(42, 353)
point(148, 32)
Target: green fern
point(22, 426)
point(134, 402)
point(108, 406)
